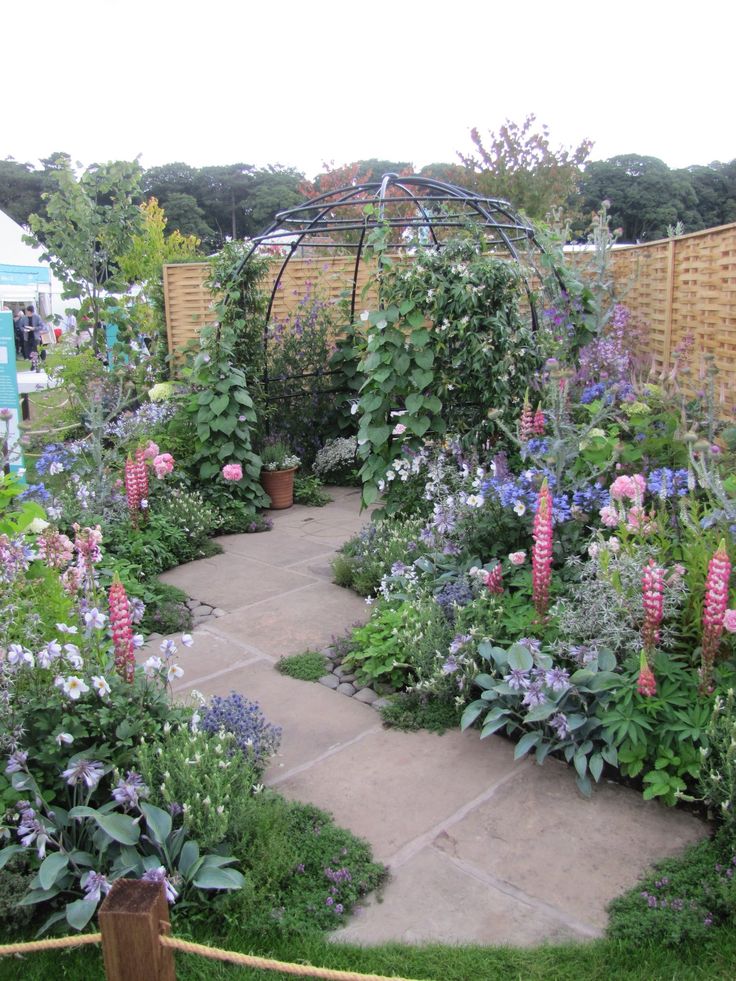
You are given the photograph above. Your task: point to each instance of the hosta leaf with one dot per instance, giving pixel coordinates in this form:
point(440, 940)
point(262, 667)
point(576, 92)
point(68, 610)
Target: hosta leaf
point(527, 741)
point(50, 868)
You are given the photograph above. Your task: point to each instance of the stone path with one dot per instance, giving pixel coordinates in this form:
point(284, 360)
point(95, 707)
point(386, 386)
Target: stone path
point(482, 849)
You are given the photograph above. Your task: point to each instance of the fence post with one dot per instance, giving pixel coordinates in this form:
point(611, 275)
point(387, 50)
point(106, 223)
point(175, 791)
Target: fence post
point(669, 304)
point(132, 917)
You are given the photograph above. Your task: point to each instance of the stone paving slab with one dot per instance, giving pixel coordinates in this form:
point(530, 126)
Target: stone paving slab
point(431, 899)
point(294, 621)
point(231, 581)
point(276, 550)
point(549, 841)
point(393, 787)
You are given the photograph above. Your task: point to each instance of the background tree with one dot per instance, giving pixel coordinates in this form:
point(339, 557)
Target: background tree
point(89, 223)
point(645, 196)
point(141, 266)
point(21, 188)
point(520, 166)
point(184, 215)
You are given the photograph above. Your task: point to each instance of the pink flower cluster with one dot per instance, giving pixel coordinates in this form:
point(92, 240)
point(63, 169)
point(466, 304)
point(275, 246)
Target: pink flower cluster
point(630, 488)
point(647, 683)
point(652, 582)
point(150, 452)
point(232, 472)
point(55, 549)
point(715, 609)
point(540, 423)
point(121, 623)
point(136, 481)
point(87, 546)
point(493, 580)
point(526, 421)
point(542, 550)
point(163, 463)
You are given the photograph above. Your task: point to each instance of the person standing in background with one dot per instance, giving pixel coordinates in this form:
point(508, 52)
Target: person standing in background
point(18, 325)
point(32, 328)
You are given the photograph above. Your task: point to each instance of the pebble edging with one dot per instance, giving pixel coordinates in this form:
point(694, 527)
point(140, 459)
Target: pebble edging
point(201, 612)
point(343, 680)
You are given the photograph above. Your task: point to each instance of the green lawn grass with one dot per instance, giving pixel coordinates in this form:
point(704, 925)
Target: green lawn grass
point(593, 961)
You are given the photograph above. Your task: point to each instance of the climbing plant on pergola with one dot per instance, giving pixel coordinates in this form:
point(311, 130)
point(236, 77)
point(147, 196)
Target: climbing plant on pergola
point(420, 212)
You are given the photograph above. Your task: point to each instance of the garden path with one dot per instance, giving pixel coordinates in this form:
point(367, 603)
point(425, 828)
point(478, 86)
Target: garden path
point(482, 849)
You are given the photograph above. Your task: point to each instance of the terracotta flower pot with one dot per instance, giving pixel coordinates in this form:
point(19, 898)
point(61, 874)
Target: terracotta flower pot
point(279, 485)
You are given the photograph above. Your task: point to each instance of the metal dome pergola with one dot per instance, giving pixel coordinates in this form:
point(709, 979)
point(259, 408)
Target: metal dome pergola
point(425, 213)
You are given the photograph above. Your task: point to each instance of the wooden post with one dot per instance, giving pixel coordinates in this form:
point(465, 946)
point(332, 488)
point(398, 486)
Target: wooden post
point(132, 917)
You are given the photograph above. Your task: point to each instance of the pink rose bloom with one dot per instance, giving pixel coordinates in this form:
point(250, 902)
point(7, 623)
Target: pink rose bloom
point(232, 471)
point(517, 558)
point(163, 464)
point(398, 429)
point(729, 621)
point(150, 451)
point(609, 516)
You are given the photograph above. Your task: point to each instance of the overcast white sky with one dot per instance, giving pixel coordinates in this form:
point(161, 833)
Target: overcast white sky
point(299, 83)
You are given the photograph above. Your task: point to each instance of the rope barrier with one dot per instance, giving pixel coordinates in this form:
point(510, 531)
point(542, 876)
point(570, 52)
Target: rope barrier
point(52, 943)
point(267, 964)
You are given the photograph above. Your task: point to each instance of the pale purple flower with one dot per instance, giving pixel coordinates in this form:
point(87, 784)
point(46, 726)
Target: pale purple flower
point(65, 738)
point(168, 648)
point(450, 666)
point(95, 886)
point(187, 640)
point(559, 724)
point(174, 672)
point(129, 791)
point(159, 875)
point(84, 771)
point(459, 641)
point(517, 679)
point(16, 761)
point(534, 696)
point(558, 679)
point(137, 609)
point(138, 640)
point(533, 644)
point(63, 628)
point(94, 620)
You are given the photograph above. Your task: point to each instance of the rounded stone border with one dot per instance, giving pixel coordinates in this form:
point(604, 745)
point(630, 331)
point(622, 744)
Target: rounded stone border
point(341, 679)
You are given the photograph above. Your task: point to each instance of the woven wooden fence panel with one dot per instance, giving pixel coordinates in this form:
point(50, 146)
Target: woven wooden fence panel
point(678, 290)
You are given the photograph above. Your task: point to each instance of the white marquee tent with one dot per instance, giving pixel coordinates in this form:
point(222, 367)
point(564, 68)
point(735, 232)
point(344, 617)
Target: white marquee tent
point(24, 278)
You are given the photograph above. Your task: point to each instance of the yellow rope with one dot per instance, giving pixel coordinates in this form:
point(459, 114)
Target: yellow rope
point(267, 964)
point(53, 943)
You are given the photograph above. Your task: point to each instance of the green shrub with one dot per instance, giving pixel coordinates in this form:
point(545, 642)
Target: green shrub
point(718, 770)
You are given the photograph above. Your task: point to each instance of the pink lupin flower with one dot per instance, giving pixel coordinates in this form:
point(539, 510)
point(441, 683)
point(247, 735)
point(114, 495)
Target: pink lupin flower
point(714, 610)
point(542, 550)
point(494, 580)
point(539, 422)
point(526, 421)
point(131, 486)
point(141, 474)
point(652, 582)
point(121, 623)
point(647, 683)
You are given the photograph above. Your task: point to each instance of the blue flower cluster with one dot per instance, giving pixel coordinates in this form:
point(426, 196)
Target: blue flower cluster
point(56, 458)
point(36, 492)
point(592, 392)
point(254, 736)
point(139, 424)
point(451, 596)
point(665, 482)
